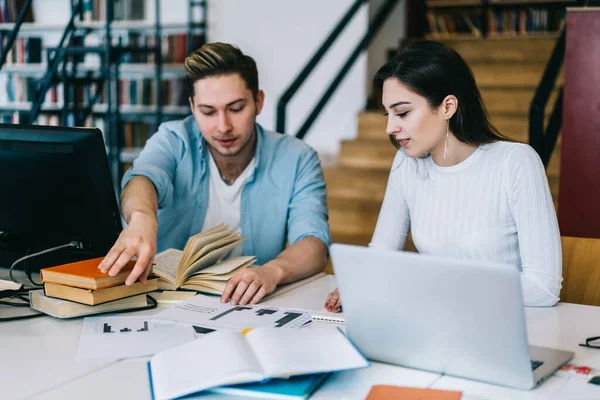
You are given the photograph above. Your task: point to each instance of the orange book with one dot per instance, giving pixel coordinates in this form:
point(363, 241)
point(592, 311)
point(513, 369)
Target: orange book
point(85, 274)
point(389, 392)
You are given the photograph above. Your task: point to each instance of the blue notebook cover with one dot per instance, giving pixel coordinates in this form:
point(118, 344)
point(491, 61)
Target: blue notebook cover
point(296, 387)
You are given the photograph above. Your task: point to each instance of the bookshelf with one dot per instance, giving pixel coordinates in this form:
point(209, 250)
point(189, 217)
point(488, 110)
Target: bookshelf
point(110, 67)
point(482, 19)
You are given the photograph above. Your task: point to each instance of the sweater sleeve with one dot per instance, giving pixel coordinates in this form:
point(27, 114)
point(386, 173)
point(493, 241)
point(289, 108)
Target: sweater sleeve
point(537, 227)
point(393, 222)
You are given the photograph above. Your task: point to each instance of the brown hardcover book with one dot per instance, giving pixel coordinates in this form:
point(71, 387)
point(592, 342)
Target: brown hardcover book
point(85, 274)
point(385, 392)
point(95, 297)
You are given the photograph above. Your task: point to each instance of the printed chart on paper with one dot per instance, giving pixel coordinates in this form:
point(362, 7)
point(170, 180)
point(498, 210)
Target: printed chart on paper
point(209, 312)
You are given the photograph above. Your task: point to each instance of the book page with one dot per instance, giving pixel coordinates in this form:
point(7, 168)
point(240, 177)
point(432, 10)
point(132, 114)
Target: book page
point(209, 259)
point(190, 243)
point(215, 245)
point(226, 266)
point(166, 264)
point(191, 251)
point(221, 358)
point(286, 352)
point(206, 287)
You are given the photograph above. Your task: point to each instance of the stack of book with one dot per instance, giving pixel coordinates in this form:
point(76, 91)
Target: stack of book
point(80, 288)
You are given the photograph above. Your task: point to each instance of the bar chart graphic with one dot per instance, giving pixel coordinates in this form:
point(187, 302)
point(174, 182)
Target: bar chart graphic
point(126, 327)
point(208, 312)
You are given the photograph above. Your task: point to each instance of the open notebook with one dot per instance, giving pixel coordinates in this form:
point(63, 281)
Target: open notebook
point(228, 358)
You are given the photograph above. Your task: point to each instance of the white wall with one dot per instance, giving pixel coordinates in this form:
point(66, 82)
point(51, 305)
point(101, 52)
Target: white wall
point(281, 36)
point(389, 37)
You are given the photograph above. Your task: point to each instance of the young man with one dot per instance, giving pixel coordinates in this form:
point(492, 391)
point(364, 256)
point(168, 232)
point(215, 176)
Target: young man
point(219, 165)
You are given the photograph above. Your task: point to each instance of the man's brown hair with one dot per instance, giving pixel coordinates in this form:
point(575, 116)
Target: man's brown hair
point(215, 59)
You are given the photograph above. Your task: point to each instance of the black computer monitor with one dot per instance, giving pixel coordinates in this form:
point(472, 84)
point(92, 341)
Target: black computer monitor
point(55, 188)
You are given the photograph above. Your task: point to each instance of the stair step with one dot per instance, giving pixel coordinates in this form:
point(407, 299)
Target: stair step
point(512, 101)
point(355, 185)
point(367, 154)
point(378, 155)
point(360, 239)
point(371, 125)
point(504, 49)
point(364, 240)
point(501, 75)
point(513, 126)
point(510, 121)
point(352, 222)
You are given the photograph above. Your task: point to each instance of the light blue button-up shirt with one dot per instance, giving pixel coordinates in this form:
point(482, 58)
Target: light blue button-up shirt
point(282, 201)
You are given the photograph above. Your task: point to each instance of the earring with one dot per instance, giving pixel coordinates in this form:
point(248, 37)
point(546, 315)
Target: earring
point(446, 146)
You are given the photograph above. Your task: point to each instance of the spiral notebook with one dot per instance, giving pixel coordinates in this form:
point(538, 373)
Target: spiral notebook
point(326, 316)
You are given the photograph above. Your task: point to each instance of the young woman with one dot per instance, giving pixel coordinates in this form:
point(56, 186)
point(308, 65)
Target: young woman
point(462, 189)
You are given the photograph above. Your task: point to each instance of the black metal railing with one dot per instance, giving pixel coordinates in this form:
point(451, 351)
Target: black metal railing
point(544, 140)
point(375, 25)
point(287, 95)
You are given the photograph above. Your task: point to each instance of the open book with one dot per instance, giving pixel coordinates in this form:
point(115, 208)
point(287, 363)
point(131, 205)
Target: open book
point(201, 265)
point(227, 358)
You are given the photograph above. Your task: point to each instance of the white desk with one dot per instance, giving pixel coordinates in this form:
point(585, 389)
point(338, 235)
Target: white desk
point(37, 358)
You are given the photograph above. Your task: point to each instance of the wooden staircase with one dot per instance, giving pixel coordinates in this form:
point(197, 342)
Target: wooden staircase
point(507, 71)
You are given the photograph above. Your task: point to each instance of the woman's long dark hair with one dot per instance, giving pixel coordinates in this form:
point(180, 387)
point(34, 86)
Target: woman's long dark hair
point(435, 71)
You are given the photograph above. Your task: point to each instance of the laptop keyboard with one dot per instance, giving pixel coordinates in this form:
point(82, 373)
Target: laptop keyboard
point(535, 364)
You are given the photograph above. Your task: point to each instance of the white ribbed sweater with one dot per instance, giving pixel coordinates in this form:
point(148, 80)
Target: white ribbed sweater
point(494, 206)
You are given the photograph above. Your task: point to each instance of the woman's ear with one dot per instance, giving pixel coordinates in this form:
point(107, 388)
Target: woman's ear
point(449, 106)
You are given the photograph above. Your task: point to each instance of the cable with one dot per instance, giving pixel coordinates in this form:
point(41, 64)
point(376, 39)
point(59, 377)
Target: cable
point(10, 271)
point(17, 294)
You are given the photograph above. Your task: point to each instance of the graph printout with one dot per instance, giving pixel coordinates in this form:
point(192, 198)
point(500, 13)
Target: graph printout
point(209, 312)
point(114, 338)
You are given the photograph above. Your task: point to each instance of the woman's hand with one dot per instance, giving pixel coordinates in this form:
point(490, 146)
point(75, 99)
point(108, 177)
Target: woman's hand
point(333, 302)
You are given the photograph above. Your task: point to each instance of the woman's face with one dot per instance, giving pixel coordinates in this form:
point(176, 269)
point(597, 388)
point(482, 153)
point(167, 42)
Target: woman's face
point(411, 121)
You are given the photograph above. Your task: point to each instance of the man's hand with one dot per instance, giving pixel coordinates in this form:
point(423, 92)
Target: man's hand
point(250, 285)
point(137, 239)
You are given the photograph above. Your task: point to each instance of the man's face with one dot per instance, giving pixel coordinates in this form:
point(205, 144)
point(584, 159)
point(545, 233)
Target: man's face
point(225, 111)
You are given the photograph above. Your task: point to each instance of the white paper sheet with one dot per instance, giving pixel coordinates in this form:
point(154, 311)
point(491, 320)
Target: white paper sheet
point(9, 285)
point(578, 388)
point(209, 312)
point(114, 338)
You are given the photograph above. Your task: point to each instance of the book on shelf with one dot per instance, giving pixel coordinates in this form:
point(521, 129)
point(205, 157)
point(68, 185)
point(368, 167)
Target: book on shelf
point(202, 265)
point(468, 19)
point(99, 296)
point(85, 274)
point(229, 358)
point(95, 10)
point(60, 308)
point(10, 10)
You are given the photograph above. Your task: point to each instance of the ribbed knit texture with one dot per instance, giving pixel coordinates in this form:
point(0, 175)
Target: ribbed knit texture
point(494, 206)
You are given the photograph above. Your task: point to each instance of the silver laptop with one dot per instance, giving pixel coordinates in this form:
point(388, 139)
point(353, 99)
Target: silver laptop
point(455, 317)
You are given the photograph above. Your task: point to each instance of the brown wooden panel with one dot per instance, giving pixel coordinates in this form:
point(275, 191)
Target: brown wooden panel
point(581, 271)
